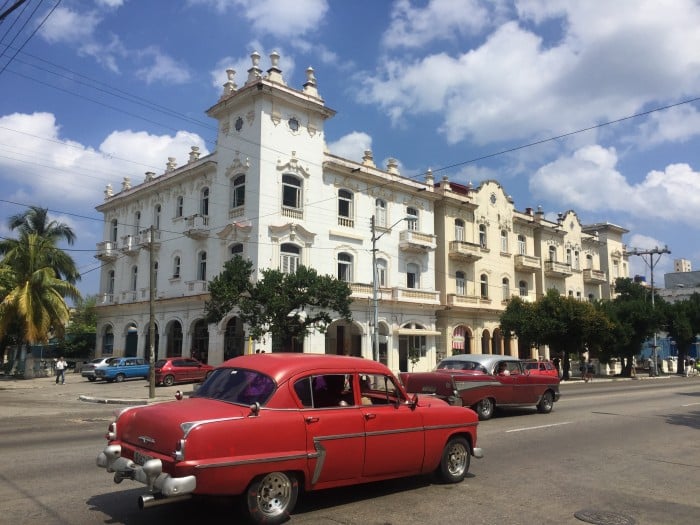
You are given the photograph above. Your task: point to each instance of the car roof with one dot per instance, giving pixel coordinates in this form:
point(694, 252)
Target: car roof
point(281, 366)
point(485, 360)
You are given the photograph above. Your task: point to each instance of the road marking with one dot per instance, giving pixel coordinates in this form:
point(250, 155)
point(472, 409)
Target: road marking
point(690, 404)
point(537, 428)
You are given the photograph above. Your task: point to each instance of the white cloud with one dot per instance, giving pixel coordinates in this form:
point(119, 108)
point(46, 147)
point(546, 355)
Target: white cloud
point(612, 59)
point(414, 27)
point(352, 146)
point(113, 4)
point(162, 68)
point(67, 26)
point(589, 180)
point(679, 124)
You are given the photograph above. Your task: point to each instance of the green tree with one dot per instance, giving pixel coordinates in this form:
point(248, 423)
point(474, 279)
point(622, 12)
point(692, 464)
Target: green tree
point(682, 324)
point(33, 303)
point(36, 220)
point(288, 306)
point(80, 337)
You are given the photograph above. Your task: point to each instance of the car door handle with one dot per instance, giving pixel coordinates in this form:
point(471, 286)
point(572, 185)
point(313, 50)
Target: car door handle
point(370, 416)
point(311, 419)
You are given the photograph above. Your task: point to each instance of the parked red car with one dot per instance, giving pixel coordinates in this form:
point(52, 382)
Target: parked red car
point(484, 382)
point(180, 370)
point(269, 425)
point(541, 367)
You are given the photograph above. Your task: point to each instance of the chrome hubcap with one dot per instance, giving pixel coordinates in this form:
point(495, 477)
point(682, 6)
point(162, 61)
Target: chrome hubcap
point(275, 493)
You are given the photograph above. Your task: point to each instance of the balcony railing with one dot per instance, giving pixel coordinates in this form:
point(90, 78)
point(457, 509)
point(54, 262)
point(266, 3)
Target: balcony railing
point(594, 276)
point(236, 212)
point(145, 238)
point(130, 245)
point(414, 295)
point(292, 213)
point(465, 251)
point(344, 221)
point(526, 263)
point(361, 290)
point(107, 251)
point(455, 300)
point(557, 269)
point(194, 287)
point(413, 241)
point(197, 226)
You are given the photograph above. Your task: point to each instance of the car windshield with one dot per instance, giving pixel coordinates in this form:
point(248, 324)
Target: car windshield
point(461, 365)
point(236, 385)
point(160, 363)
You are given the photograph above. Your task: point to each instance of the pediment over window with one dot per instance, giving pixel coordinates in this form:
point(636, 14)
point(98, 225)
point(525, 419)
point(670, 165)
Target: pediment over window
point(237, 167)
point(236, 231)
point(293, 166)
point(292, 232)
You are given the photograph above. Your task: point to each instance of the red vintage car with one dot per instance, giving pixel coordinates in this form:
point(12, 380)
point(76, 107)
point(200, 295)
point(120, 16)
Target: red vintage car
point(266, 426)
point(541, 367)
point(484, 382)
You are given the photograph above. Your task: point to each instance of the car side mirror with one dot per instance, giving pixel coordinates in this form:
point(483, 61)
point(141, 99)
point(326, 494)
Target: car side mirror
point(413, 402)
point(178, 395)
point(255, 409)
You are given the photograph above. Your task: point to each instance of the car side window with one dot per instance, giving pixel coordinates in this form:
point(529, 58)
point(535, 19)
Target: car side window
point(378, 389)
point(325, 391)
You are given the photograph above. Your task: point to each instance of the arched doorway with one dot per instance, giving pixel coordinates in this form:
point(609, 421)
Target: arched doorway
point(147, 346)
point(200, 341)
point(131, 343)
point(485, 342)
point(107, 341)
point(234, 339)
point(497, 342)
point(462, 340)
point(343, 338)
point(174, 345)
point(411, 347)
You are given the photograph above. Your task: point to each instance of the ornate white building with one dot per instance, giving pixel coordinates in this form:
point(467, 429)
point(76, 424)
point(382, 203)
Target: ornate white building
point(272, 193)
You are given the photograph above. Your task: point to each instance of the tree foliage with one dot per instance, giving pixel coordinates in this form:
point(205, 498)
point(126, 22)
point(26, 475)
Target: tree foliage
point(682, 320)
point(288, 306)
point(80, 337)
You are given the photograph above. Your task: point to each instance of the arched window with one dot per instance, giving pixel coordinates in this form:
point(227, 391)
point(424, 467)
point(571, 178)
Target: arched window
point(204, 202)
point(291, 192)
point(290, 257)
point(156, 217)
point(176, 267)
point(412, 215)
point(460, 283)
point(522, 245)
point(568, 257)
point(576, 260)
point(482, 236)
point(484, 280)
point(110, 284)
point(202, 266)
point(382, 272)
point(134, 277)
point(552, 253)
point(412, 275)
point(236, 249)
point(238, 191)
point(113, 231)
point(505, 286)
point(179, 206)
point(522, 288)
point(485, 342)
point(345, 208)
point(108, 341)
point(459, 230)
point(380, 213)
point(137, 223)
point(591, 297)
point(345, 267)
point(504, 241)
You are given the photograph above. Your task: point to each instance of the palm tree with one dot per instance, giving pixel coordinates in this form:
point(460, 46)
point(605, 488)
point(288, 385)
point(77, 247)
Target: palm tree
point(33, 297)
point(36, 220)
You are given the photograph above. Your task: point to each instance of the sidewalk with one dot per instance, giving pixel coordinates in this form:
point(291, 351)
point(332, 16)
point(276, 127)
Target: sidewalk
point(129, 392)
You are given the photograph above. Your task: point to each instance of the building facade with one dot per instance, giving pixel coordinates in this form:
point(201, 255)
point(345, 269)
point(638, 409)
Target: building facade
point(447, 256)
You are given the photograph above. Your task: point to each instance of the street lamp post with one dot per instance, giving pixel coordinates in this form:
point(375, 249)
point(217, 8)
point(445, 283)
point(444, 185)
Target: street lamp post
point(375, 282)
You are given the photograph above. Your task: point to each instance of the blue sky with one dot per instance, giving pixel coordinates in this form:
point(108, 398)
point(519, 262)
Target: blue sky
point(92, 91)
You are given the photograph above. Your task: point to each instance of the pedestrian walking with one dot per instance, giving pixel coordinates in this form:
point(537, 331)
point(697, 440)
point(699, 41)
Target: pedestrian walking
point(61, 366)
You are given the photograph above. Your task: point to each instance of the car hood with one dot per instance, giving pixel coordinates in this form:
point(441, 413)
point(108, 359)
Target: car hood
point(158, 427)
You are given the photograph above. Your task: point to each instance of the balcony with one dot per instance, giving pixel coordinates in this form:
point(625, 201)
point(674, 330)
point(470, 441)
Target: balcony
point(526, 263)
point(197, 226)
point(107, 251)
point(145, 238)
point(464, 251)
point(293, 213)
point(417, 242)
point(129, 297)
point(129, 246)
point(360, 290)
point(414, 295)
point(462, 301)
point(591, 276)
point(346, 222)
point(195, 287)
point(557, 269)
point(107, 298)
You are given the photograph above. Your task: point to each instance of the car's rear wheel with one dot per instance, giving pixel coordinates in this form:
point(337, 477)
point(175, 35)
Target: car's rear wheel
point(271, 497)
point(485, 408)
point(168, 380)
point(91, 378)
point(455, 460)
point(546, 404)
point(119, 378)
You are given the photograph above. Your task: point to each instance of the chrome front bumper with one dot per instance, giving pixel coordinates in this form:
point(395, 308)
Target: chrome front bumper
point(150, 473)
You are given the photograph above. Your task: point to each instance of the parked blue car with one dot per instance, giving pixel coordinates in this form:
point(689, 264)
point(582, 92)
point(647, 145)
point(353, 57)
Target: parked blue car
point(122, 368)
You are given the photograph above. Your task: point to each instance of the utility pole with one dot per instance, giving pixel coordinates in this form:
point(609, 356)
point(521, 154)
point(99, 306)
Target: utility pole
point(651, 258)
point(151, 316)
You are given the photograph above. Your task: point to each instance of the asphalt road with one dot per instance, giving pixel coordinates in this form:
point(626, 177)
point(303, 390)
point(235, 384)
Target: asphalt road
point(615, 451)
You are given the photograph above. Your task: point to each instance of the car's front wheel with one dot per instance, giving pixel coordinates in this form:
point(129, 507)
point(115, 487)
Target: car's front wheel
point(485, 408)
point(119, 378)
point(455, 460)
point(90, 378)
point(271, 497)
point(546, 404)
point(168, 380)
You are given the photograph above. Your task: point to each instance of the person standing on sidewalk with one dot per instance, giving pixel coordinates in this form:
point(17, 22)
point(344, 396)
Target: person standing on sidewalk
point(61, 366)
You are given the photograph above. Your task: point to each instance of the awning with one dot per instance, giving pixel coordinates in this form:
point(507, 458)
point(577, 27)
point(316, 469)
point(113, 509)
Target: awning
point(417, 331)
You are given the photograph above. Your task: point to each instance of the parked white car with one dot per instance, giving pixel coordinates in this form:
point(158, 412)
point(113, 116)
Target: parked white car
point(88, 369)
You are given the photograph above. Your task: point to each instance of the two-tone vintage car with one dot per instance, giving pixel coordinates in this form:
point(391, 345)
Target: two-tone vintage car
point(484, 382)
point(266, 426)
